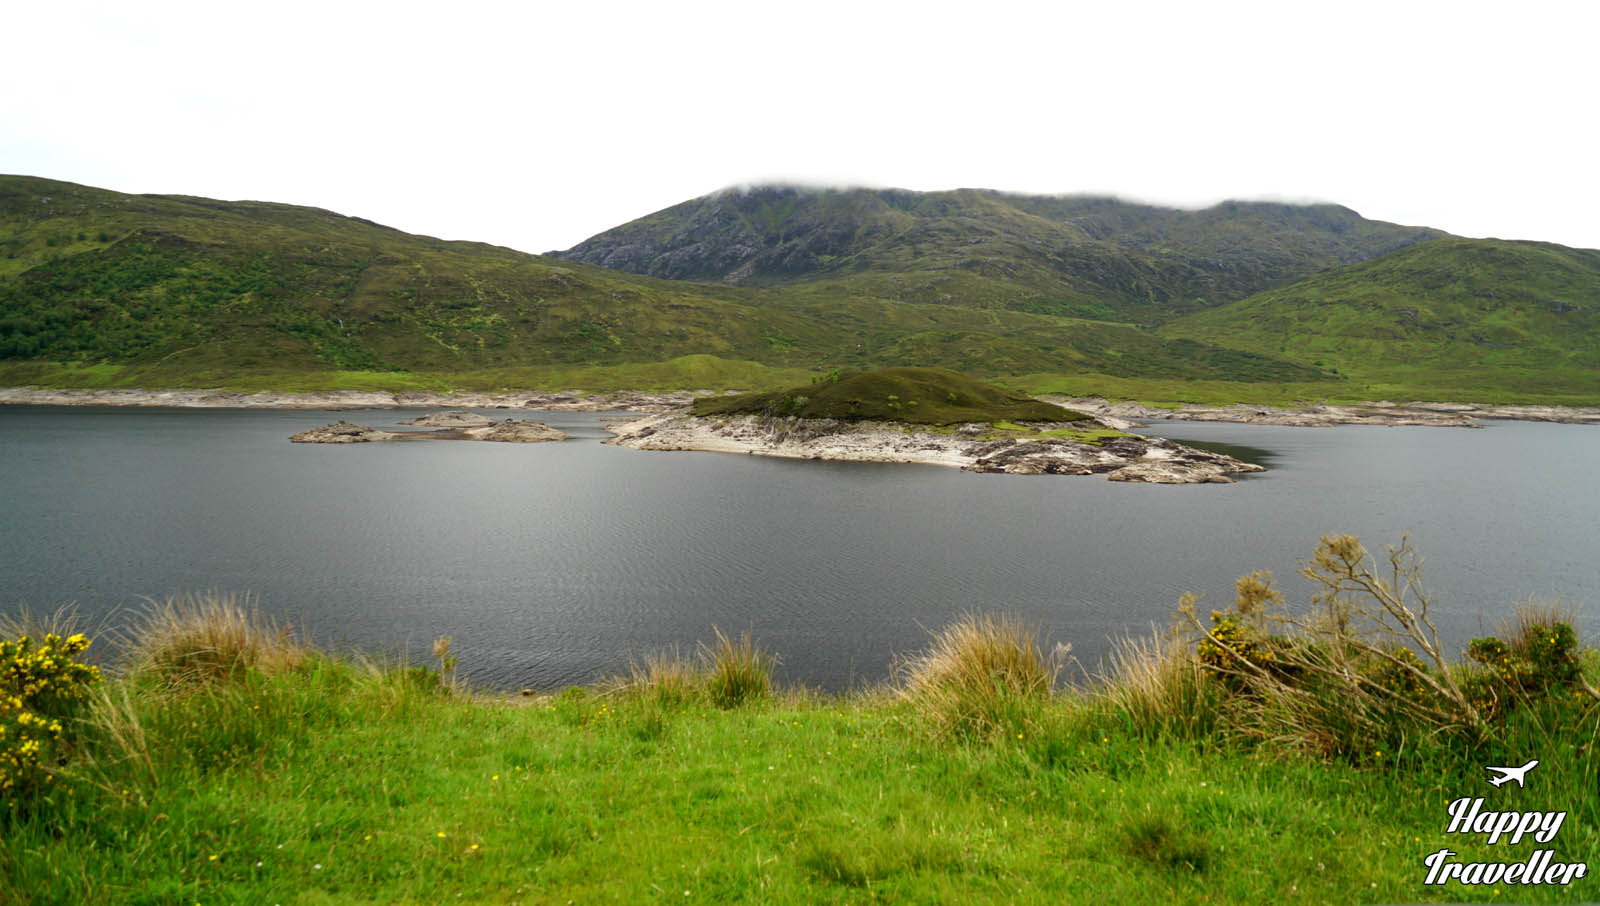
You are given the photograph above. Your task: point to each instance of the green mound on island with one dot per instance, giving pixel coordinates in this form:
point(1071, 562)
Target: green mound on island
point(924, 396)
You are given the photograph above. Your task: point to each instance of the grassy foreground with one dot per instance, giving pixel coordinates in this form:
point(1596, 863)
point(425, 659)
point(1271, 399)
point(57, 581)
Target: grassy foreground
point(228, 763)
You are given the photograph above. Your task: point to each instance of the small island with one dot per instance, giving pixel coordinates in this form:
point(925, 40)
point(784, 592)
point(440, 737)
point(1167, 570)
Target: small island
point(924, 415)
point(446, 425)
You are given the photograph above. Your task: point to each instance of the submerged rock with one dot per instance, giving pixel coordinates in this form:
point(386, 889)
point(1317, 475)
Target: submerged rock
point(450, 420)
point(341, 432)
point(516, 431)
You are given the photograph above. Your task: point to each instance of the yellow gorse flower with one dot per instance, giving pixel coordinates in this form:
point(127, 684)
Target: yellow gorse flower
point(41, 682)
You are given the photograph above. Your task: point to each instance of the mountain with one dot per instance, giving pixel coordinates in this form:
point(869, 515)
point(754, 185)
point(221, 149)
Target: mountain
point(1450, 317)
point(107, 289)
point(181, 291)
point(1066, 255)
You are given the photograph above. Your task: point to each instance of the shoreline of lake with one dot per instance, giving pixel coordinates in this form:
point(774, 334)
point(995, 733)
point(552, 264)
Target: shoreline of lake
point(1425, 414)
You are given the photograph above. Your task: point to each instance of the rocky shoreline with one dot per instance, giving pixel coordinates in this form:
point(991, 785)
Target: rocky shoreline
point(1115, 413)
point(571, 400)
point(446, 425)
point(974, 447)
point(1452, 415)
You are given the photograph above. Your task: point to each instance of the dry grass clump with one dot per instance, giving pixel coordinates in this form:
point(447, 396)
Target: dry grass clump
point(983, 673)
point(1160, 687)
point(729, 672)
point(200, 638)
point(27, 623)
point(666, 677)
point(738, 670)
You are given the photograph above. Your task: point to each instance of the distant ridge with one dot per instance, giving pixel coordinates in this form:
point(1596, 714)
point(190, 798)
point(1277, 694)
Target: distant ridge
point(1086, 256)
point(169, 290)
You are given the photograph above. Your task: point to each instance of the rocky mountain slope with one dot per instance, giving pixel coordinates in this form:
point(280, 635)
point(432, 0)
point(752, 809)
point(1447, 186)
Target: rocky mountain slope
point(1085, 256)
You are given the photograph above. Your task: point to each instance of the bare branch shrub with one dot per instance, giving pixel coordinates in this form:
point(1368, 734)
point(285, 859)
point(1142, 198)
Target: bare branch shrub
point(1363, 658)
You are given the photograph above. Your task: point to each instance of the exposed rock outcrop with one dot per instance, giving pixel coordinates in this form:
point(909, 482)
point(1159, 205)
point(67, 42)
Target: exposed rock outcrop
point(511, 430)
point(450, 420)
point(974, 447)
point(515, 431)
point(341, 432)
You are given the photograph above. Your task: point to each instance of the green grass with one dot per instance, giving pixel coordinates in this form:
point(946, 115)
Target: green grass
point(332, 782)
point(926, 396)
point(686, 372)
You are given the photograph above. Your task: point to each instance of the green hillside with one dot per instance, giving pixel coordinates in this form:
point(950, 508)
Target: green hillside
point(1080, 256)
point(99, 288)
point(100, 276)
point(924, 396)
point(1454, 319)
point(103, 288)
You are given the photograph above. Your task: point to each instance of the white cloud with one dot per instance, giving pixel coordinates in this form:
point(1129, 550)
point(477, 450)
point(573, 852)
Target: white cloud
point(535, 127)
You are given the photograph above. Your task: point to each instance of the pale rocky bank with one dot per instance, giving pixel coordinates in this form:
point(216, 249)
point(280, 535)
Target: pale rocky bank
point(1116, 413)
point(1457, 415)
point(571, 400)
point(972, 446)
point(447, 426)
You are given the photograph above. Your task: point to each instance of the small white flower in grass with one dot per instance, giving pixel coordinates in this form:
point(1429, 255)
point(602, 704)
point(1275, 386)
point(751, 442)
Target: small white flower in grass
point(317, 867)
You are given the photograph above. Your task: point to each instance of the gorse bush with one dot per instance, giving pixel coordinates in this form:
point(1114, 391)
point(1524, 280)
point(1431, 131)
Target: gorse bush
point(42, 685)
point(1536, 656)
point(1362, 671)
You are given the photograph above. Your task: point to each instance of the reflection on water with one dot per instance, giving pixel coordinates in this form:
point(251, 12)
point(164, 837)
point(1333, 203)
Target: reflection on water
point(1260, 456)
point(554, 563)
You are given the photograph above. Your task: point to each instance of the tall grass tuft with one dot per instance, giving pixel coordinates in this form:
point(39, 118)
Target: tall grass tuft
point(123, 740)
point(983, 673)
point(1160, 687)
point(214, 636)
point(737, 670)
point(732, 671)
point(64, 621)
point(666, 678)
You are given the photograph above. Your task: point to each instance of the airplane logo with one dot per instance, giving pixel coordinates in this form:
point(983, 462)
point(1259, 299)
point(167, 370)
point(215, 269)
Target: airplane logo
point(1509, 774)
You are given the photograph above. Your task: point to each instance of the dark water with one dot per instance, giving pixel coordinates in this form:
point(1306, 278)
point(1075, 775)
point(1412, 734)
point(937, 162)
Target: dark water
point(551, 564)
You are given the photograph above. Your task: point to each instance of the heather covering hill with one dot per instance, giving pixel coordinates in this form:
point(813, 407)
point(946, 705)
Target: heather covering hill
point(1073, 255)
point(1453, 317)
point(167, 291)
point(103, 289)
point(924, 396)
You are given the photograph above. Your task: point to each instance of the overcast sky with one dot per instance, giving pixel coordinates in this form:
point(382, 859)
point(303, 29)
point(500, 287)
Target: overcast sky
point(536, 125)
